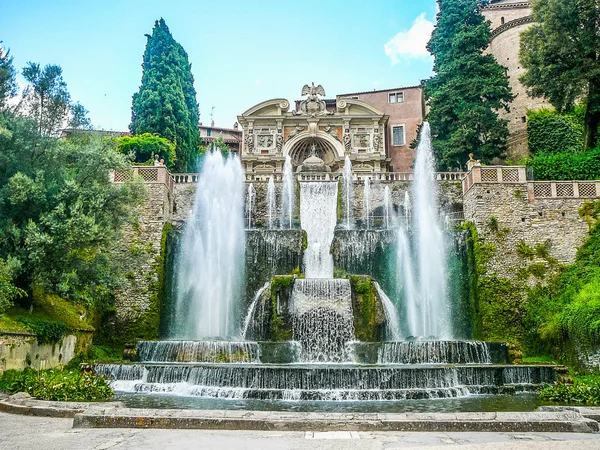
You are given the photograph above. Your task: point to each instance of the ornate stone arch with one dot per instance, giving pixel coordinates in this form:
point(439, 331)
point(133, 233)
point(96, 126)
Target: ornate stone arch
point(296, 147)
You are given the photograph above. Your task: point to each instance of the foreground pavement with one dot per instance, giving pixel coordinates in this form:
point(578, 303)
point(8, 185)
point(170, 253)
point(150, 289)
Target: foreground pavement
point(19, 432)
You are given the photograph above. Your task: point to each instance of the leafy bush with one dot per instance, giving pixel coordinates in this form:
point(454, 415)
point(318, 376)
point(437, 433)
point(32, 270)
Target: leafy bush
point(58, 385)
point(144, 146)
point(551, 132)
point(47, 331)
point(566, 165)
point(8, 291)
point(584, 390)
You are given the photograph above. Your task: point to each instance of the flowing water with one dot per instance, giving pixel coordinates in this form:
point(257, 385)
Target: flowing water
point(318, 216)
point(271, 207)
point(210, 262)
point(427, 308)
point(288, 195)
point(391, 314)
point(250, 314)
point(348, 192)
point(323, 321)
point(250, 205)
point(367, 203)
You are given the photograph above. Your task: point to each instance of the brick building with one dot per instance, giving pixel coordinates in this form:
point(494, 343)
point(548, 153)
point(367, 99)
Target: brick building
point(405, 107)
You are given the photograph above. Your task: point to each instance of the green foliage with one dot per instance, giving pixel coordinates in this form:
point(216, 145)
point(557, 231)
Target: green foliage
point(566, 165)
point(279, 285)
point(8, 291)
point(47, 332)
point(166, 101)
point(524, 250)
point(468, 88)
point(493, 224)
point(559, 53)
point(144, 147)
point(57, 385)
point(8, 80)
point(585, 390)
point(551, 132)
point(566, 313)
point(59, 212)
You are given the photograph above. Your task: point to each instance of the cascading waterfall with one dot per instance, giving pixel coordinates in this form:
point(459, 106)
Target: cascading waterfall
point(432, 301)
point(288, 195)
point(210, 262)
point(322, 318)
point(198, 351)
point(434, 352)
point(250, 313)
point(250, 202)
point(348, 192)
point(271, 203)
point(367, 202)
point(391, 314)
point(318, 216)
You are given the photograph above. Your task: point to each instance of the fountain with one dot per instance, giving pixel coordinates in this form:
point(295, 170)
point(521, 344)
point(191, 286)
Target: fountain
point(348, 192)
point(270, 203)
point(288, 195)
point(383, 329)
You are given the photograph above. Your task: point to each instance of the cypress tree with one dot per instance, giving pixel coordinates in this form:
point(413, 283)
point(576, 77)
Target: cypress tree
point(468, 88)
point(166, 102)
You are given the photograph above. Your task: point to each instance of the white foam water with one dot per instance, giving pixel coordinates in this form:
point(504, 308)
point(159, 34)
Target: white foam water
point(288, 195)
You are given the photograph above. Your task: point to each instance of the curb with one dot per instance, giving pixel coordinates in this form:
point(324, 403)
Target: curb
point(561, 421)
point(25, 405)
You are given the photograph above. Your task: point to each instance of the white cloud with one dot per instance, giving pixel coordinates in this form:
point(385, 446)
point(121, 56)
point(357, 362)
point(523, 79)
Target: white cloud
point(411, 44)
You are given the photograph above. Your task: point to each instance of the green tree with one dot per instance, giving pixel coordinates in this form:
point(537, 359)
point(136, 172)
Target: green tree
point(47, 100)
point(468, 88)
point(59, 214)
point(145, 146)
point(8, 291)
point(166, 101)
point(560, 53)
point(8, 83)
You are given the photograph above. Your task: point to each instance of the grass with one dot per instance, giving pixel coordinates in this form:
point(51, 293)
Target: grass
point(538, 359)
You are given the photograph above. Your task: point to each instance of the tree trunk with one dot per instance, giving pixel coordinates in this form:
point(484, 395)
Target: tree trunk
point(592, 114)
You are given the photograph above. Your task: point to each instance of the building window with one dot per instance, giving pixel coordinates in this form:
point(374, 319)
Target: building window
point(398, 138)
point(502, 20)
point(396, 97)
point(524, 119)
point(208, 131)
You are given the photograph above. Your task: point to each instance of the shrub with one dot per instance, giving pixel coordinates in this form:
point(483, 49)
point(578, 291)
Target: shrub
point(47, 331)
point(57, 385)
point(566, 165)
point(144, 146)
point(550, 132)
point(584, 390)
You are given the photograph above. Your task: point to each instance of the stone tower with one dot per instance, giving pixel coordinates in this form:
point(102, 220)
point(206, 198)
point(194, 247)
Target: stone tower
point(508, 19)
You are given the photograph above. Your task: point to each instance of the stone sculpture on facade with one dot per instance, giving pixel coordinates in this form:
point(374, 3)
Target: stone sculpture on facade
point(313, 105)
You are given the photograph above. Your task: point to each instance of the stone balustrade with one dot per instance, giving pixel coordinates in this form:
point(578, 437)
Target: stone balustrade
point(535, 189)
point(150, 174)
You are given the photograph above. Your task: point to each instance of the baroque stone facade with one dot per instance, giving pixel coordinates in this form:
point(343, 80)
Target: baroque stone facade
point(509, 18)
point(349, 127)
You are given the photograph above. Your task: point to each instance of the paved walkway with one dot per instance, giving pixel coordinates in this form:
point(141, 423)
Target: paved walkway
point(24, 433)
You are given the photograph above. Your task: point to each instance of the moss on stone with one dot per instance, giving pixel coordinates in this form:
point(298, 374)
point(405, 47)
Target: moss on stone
point(279, 330)
point(367, 324)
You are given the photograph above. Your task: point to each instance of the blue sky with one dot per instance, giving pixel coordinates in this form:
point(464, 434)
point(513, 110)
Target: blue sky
point(242, 51)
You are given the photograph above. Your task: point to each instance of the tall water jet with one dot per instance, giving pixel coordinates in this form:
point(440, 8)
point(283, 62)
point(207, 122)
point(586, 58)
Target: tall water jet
point(318, 216)
point(367, 202)
point(250, 202)
point(348, 192)
point(270, 203)
point(407, 207)
point(430, 247)
point(210, 262)
point(388, 210)
point(288, 195)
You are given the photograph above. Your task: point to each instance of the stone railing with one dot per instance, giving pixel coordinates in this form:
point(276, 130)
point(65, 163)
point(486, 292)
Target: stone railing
point(494, 174)
point(357, 176)
point(535, 189)
point(150, 174)
point(185, 178)
point(564, 189)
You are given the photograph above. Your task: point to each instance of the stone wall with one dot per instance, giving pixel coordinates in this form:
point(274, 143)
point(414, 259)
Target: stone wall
point(137, 302)
point(551, 222)
point(21, 350)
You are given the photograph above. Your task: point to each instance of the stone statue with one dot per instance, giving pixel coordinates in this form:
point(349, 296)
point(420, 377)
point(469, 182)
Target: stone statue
point(279, 142)
point(376, 142)
point(313, 105)
point(331, 131)
point(250, 142)
point(347, 142)
point(297, 130)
